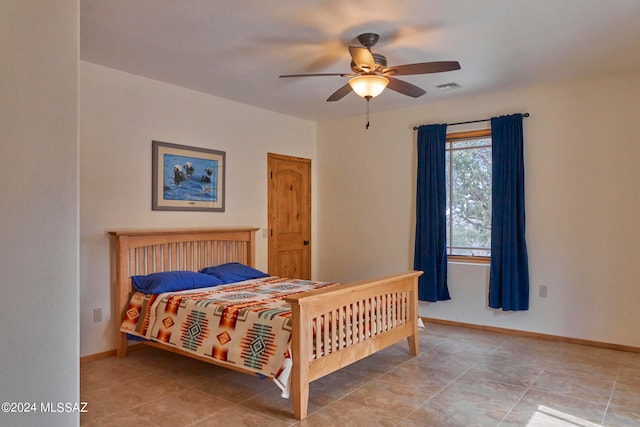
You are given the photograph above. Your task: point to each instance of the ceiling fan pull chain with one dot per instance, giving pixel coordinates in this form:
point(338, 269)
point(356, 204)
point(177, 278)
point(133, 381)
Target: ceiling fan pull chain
point(368, 98)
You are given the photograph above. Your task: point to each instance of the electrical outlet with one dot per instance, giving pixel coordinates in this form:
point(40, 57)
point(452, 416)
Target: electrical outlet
point(543, 291)
point(97, 315)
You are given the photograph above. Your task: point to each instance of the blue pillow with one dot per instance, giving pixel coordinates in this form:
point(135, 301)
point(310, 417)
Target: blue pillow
point(173, 281)
point(234, 272)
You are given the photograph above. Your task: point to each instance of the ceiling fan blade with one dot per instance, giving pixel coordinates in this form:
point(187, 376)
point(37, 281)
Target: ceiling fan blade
point(422, 68)
point(405, 88)
point(316, 75)
point(363, 58)
point(340, 93)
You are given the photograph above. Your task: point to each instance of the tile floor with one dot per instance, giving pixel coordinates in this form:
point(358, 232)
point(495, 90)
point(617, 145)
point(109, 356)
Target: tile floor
point(462, 377)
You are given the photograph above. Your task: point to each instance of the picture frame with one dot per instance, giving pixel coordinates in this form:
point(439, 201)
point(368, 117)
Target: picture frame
point(187, 178)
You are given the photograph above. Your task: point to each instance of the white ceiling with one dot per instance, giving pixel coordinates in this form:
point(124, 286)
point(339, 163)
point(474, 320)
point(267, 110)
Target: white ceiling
point(236, 49)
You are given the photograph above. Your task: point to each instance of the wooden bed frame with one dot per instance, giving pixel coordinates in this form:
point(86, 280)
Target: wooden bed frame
point(387, 305)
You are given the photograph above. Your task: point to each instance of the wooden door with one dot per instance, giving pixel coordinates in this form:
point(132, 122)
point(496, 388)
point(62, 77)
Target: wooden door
point(289, 231)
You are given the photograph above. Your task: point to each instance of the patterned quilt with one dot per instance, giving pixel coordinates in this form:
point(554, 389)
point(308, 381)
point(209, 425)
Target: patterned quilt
point(247, 324)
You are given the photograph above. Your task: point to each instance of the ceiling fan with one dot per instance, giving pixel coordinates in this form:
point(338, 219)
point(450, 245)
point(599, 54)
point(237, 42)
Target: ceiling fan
point(371, 75)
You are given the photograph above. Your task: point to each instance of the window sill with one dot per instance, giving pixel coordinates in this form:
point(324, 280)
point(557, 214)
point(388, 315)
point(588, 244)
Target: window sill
point(485, 262)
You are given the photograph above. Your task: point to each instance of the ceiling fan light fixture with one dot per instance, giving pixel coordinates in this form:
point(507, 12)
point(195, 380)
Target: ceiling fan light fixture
point(368, 85)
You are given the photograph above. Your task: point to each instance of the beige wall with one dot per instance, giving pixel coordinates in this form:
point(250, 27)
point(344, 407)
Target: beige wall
point(581, 148)
point(39, 208)
point(120, 115)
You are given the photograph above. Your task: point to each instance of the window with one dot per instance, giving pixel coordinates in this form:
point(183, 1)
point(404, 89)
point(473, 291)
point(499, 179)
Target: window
point(468, 172)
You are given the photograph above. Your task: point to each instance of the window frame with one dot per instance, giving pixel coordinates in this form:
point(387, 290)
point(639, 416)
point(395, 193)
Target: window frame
point(461, 136)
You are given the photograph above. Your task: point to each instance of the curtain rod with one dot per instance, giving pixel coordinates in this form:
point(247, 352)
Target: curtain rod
point(470, 121)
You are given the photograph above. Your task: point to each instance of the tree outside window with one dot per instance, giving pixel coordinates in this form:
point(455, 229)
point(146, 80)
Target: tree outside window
point(468, 172)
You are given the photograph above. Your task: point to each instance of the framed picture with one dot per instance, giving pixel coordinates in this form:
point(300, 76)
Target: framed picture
point(187, 178)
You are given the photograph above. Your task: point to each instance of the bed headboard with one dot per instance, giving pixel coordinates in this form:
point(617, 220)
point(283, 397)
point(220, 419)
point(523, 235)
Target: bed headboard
point(149, 251)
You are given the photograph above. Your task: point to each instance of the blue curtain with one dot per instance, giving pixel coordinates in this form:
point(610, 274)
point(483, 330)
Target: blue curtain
point(509, 277)
point(430, 254)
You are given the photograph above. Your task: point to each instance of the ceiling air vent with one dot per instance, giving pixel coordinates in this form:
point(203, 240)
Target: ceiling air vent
point(448, 86)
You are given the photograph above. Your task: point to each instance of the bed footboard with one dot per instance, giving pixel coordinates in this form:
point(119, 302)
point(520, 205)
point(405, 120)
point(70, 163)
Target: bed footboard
point(337, 326)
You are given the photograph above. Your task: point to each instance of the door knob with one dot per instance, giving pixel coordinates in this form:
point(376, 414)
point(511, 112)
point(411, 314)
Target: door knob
point(306, 242)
